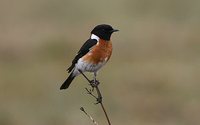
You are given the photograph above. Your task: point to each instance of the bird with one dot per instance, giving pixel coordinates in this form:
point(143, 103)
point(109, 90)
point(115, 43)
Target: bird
point(93, 54)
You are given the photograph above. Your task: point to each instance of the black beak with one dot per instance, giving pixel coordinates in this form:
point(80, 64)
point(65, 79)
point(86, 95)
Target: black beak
point(114, 30)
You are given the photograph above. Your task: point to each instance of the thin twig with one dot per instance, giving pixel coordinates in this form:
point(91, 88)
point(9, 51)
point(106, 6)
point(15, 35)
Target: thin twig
point(90, 93)
point(104, 110)
point(99, 96)
point(84, 76)
point(102, 106)
point(90, 117)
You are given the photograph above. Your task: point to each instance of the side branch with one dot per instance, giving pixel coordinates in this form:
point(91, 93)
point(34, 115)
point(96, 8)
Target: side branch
point(94, 84)
point(83, 110)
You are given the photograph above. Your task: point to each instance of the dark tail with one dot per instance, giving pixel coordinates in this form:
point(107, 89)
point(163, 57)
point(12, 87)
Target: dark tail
point(67, 82)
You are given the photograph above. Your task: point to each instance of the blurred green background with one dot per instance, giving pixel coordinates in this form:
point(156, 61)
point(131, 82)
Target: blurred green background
point(152, 77)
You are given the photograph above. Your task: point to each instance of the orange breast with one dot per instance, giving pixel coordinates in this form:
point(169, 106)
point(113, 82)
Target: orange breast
point(101, 52)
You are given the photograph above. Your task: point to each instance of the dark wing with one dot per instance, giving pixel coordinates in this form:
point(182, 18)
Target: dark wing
point(83, 50)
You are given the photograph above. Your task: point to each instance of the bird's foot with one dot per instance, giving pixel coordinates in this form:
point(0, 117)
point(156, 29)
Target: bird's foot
point(94, 83)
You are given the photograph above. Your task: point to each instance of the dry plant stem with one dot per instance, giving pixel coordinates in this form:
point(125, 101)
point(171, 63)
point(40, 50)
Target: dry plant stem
point(82, 109)
point(84, 76)
point(102, 106)
point(99, 98)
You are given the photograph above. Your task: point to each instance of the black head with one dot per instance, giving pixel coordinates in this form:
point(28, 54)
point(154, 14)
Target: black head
point(103, 31)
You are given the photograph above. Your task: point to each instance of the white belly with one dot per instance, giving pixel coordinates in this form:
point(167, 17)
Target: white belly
point(87, 67)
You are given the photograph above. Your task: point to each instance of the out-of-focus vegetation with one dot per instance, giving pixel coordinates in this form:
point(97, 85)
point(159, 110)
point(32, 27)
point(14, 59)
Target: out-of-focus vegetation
point(153, 77)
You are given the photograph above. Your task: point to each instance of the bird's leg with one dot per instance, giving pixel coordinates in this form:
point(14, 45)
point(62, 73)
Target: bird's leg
point(90, 81)
point(94, 82)
point(95, 85)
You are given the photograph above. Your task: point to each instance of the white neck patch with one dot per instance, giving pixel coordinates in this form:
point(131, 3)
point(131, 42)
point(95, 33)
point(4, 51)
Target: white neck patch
point(94, 37)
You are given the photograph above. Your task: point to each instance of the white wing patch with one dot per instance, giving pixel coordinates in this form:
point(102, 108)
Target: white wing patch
point(93, 36)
